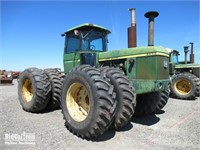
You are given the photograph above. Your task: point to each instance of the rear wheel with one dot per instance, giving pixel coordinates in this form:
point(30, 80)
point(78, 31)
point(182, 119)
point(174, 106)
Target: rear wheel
point(184, 86)
point(33, 90)
point(87, 102)
point(125, 95)
point(163, 96)
point(146, 103)
point(56, 84)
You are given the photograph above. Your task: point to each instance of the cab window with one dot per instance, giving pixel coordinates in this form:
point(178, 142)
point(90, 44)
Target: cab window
point(72, 44)
point(86, 40)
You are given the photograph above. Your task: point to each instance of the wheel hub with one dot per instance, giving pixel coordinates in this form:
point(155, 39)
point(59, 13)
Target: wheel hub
point(77, 101)
point(27, 90)
point(183, 86)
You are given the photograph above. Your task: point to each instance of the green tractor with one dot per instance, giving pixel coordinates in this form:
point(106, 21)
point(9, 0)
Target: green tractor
point(185, 82)
point(100, 88)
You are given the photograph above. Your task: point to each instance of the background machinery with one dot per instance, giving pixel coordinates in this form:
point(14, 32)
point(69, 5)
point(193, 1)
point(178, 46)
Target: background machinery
point(185, 75)
point(4, 78)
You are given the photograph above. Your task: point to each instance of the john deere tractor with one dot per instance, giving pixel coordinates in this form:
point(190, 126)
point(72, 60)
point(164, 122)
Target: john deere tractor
point(185, 76)
point(100, 88)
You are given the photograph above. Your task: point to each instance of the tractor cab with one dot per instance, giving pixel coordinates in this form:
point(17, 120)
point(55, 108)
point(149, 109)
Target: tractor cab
point(173, 59)
point(174, 56)
point(82, 43)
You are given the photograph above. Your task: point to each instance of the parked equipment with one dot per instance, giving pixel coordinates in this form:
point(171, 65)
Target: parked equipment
point(185, 75)
point(5, 79)
point(100, 87)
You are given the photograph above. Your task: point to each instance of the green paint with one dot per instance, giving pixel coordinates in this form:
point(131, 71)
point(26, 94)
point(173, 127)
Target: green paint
point(147, 86)
point(187, 66)
point(180, 66)
point(146, 67)
point(151, 50)
point(87, 25)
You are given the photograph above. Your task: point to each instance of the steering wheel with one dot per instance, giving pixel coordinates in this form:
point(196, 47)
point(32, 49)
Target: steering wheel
point(92, 47)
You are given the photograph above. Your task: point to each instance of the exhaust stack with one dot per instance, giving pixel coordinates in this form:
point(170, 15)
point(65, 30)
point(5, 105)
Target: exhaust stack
point(151, 15)
point(132, 39)
point(192, 53)
point(186, 51)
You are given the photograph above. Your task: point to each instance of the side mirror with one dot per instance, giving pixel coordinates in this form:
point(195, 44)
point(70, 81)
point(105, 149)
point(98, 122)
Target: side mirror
point(63, 34)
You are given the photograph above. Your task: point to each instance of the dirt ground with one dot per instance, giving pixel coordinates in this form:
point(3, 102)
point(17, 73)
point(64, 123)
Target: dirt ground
point(178, 127)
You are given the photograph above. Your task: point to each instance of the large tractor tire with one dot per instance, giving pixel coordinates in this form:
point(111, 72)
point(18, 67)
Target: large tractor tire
point(34, 90)
point(125, 95)
point(146, 103)
point(87, 102)
point(163, 96)
point(184, 86)
point(56, 85)
point(198, 88)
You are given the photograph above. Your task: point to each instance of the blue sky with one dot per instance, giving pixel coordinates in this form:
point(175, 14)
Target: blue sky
point(30, 30)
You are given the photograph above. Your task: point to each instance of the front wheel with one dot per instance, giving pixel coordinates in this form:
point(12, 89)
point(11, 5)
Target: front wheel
point(87, 102)
point(125, 95)
point(184, 86)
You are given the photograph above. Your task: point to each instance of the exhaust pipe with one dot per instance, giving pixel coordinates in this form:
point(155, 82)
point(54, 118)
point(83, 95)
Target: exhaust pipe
point(132, 39)
point(151, 15)
point(186, 51)
point(192, 53)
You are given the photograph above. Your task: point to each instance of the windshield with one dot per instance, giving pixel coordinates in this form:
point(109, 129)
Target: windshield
point(86, 40)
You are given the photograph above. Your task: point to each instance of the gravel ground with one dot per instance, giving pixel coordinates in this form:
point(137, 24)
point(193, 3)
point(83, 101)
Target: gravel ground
point(178, 127)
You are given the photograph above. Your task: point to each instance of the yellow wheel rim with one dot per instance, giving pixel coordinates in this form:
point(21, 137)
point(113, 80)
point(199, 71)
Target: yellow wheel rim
point(77, 101)
point(27, 90)
point(183, 86)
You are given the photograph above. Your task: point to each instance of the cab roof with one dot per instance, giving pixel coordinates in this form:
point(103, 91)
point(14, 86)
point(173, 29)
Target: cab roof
point(87, 26)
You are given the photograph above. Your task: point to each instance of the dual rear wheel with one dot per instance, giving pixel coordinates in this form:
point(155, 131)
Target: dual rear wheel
point(93, 100)
point(39, 89)
point(34, 90)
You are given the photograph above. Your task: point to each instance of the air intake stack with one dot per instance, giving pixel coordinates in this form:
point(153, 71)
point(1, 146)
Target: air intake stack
point(186, 51)
point(132, 39)
point(151, 15)
point(192, 53)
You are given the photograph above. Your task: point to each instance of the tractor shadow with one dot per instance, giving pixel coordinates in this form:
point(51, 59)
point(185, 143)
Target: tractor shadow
point(111, 133)
point(148, 120)
point(175, 98)
point(106, 136)
point(48, 110)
